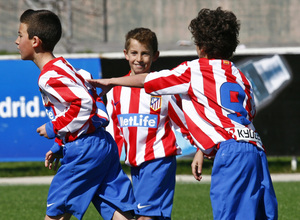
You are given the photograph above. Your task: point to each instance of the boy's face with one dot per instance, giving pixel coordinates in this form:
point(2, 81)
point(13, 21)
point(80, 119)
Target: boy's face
point(140, 57)
point(25, 45)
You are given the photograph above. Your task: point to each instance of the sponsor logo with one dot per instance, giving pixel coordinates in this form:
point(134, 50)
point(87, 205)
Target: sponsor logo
point(142, 206)
point(115, 103)
point(50, 113)
point(244, 134)
point(138, 120)
point(47, 105)
point(48, 205)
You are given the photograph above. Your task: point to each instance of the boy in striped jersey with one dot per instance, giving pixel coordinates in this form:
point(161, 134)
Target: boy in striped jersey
point(90, 169)
point(145, 124)
point(218, 105)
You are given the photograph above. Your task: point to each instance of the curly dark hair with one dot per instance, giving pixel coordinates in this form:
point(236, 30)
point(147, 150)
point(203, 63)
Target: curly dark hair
point(216, 32)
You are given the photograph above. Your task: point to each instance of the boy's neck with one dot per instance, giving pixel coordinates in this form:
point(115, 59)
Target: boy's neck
point(42, 59)
point(132, 73)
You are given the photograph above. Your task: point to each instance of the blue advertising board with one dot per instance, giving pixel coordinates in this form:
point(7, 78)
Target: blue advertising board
point(22, 111)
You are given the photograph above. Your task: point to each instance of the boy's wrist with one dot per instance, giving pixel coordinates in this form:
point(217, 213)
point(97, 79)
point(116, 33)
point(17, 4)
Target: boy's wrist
point(50, 130)
point(112, 82)
point(56, 149)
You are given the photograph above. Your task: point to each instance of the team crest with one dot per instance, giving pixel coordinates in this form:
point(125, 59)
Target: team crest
point(155, 103)
point(45, 98)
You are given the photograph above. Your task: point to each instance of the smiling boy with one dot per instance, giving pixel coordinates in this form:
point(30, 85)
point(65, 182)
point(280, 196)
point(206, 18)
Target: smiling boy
point(145, 125)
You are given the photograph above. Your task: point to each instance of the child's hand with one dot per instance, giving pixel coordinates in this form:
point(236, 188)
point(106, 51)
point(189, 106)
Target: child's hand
point(197, 165)
point(101, 83)
point(42, 131)
point(50, 158)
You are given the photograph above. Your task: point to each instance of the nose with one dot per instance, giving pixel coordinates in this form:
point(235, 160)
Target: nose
point(139, 58)
point(17, 41)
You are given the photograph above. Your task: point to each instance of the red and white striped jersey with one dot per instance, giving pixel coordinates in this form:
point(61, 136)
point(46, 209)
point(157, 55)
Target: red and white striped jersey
point(217, 101)
point(144, 123)
point(69, 101)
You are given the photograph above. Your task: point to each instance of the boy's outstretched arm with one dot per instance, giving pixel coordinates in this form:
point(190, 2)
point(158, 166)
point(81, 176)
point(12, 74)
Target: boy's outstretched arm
point(129, 81)
point(197, 165)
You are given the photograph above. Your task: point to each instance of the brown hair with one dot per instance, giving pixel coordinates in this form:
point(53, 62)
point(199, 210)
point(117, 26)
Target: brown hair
point(43, 24)
point(144, 36)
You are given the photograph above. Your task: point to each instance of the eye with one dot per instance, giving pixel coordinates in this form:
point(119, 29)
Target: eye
point(146, 53)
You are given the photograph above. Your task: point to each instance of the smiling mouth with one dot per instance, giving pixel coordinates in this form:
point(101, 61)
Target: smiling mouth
point(140, 66)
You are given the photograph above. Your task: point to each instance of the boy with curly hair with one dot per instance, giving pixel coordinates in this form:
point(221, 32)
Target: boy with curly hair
point(219, 109)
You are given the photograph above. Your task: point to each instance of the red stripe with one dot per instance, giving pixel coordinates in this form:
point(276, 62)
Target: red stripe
point(68, 96)
point(116, 105)
point(71, 136)
point(74, 70)
point(227, 66)
point(209, 86)
point(62, 72)
point(198, 134)
point(161, 82)
point(133, 108)
point(170, 148)
point(169, 139)
point(247, 91)
point(175, 118)
point(151, 137)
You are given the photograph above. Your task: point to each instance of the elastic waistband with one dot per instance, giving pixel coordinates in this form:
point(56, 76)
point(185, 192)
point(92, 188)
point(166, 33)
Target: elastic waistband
point(233, 145)
point(227, 142)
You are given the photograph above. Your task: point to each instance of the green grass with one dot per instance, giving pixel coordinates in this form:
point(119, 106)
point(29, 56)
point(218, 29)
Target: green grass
point(191, 201)
point(18, 169)
point(23, 202)
point(4, 52)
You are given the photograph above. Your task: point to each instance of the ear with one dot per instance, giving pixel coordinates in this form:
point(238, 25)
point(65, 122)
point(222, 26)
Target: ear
point(201, 52)
point(155, 56)
point(126, 54)
point(36, 42)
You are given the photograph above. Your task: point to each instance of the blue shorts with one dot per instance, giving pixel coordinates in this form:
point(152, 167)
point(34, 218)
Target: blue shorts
point(90, 171)
point(241, 186)
point(153, 185)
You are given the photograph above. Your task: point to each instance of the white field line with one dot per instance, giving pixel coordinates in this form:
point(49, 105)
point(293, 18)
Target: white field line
point(295, 177)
